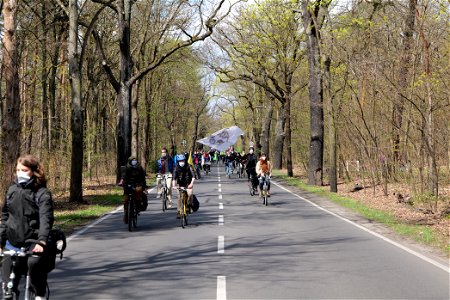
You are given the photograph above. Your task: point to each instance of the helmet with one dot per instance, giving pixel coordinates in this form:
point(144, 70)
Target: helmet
point(180, 157)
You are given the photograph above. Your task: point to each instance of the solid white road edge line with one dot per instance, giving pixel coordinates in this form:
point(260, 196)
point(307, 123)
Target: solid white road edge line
point(221, 288)
point(419, 255)
point(80, 232)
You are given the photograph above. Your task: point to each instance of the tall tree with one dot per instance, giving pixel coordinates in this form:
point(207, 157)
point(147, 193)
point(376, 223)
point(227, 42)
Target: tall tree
point(311, 22)
point(265, 49)
point(124, 85)
point(403, 77)
point(77, 122)
point(11, 104)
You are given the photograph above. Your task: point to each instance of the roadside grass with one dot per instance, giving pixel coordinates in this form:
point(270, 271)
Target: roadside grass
point(420, 233)
point(69, 217)
point(98, 201)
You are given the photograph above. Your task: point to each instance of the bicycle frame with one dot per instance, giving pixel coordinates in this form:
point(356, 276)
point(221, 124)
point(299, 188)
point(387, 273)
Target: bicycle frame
point(183, 206)
point(15, 255)
point(132, 211)
point(265, 189)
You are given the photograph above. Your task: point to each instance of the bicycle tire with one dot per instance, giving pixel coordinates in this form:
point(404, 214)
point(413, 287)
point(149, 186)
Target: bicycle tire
point(136, 213)
point(265, 198)
point(130, 214)
point(164, 199)
point(183, 212)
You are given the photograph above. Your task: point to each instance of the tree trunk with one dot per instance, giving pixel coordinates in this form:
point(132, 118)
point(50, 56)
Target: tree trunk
point(135, 120)
point(124, 95)
point(54, 119)
point(279, 138)
point(315, 165)
point(146, 126)
point(32, 99)
point(331, 129)
point(11, 109)
point(405, 65)
point(266, 131)
point(77, 121)
point(288, 139)
point(44, 137)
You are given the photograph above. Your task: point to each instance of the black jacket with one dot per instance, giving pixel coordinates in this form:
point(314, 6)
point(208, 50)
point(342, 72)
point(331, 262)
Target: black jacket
point(27, 213)
point(183, 175)
point(251, 161)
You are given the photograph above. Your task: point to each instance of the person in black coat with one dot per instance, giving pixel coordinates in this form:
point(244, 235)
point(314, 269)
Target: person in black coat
point(27, 213)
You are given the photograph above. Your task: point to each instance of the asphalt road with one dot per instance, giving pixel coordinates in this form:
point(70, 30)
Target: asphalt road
point(235, 248)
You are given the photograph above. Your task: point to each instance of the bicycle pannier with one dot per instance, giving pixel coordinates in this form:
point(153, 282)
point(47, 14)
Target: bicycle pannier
point(195, 204)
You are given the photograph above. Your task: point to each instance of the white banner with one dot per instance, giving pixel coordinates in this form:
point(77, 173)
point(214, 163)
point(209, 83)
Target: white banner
point(222, 139)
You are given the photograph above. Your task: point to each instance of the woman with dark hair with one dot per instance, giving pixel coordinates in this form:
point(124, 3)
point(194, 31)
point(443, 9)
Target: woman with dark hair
point(264, 172)
point(27, 213)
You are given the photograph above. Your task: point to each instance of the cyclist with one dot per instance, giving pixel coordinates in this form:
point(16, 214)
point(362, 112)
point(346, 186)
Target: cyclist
point(250, 166)
point(184, 176)
point(228, 163)
point(263, 168)
point(206, 162)
point(197, 164)
point(133, 174)
point(165, 168)
point(27, 213)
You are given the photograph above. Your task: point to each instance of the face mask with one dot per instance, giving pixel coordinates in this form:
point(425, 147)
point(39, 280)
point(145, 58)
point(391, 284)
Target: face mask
point(134, 163)
point(22, 177)
point(163, 154)
point(263, 158)
point(251, 151)
point(181, 163)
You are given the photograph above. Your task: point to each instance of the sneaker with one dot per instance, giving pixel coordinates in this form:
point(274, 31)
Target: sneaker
point(39, 297)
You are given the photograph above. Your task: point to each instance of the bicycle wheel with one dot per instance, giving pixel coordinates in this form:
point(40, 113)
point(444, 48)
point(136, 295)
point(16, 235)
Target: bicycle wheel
point(164, 199)
point(183, 210)
point(130, 214)
point(29, 293)
point(265, 194)
point(136, 213)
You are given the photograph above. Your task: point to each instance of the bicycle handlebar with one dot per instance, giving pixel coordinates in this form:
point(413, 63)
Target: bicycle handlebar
point(23, 252)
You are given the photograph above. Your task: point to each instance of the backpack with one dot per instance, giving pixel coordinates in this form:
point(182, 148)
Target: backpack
point(56, 244)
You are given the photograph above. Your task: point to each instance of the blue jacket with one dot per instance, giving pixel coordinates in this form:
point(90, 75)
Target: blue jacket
point(171, 165)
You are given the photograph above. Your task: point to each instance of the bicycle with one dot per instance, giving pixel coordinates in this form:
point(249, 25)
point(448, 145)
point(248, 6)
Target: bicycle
point(133, 212)
point(252, 185)
point(164, 191)
point(265, 189)
point(184, 209)
point(10, 291)
point(228, 169)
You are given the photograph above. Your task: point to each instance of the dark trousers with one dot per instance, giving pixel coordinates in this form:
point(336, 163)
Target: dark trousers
point(38, 272)
point(251, 174)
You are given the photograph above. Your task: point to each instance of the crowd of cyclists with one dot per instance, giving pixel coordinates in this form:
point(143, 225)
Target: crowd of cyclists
point(27, 212)
point(183, 169)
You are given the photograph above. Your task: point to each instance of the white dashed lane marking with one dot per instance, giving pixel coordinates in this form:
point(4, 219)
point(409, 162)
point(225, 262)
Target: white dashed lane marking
point(221, 244)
